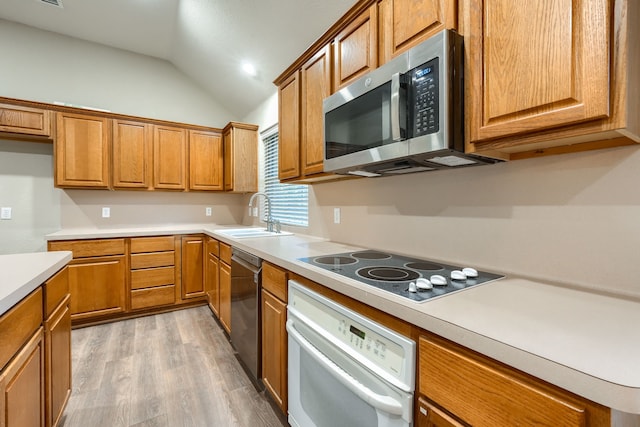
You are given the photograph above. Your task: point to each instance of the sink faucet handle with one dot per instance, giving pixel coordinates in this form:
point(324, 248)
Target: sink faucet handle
point(278, 225)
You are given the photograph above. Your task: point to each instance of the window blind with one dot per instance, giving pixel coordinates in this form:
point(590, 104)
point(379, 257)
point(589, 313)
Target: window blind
point(290, 202)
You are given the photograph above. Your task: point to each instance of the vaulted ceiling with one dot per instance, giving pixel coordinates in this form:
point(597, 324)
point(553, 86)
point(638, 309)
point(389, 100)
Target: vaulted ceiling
point(208, 40)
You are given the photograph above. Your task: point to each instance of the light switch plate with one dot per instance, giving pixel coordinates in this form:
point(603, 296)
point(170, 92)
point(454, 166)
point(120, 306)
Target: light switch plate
point(106, 212)
point(5, 213)
point(336, 215)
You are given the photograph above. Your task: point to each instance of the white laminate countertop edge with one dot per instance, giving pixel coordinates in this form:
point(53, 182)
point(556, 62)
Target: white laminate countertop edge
point(580, 341)
point(22, 273)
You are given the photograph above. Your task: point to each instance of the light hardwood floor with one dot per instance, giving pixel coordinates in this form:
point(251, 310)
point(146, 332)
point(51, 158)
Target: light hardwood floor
point(174, 369)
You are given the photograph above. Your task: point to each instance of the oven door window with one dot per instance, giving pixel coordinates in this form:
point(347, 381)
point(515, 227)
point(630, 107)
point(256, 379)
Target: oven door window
point(360, 124)
point(320, 390)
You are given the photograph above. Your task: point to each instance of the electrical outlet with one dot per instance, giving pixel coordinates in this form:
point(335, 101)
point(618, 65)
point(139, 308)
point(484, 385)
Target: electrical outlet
point(336, 215)
point(5, 213)
point(106, 212)
point(207, 211)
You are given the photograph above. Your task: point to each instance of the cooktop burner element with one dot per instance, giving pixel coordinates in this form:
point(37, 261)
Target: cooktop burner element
point(387, 274)
point(394, 273)
point(370, 255)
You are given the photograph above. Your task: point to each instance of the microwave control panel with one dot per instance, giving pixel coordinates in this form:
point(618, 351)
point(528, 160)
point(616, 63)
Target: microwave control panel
point(425, 98)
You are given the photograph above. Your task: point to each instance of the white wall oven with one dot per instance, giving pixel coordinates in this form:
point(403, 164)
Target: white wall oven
point(345, 369)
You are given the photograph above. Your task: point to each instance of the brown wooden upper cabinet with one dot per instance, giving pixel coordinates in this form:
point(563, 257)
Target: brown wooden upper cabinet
point(301, 144)
point(169, 158)
point(25, 121)
point(132, 154)
point(82, 150)
point(289, 127)
point(406, 23)
point(356, 48)
point(550, 67)
point(240, 158)
point(206, 161)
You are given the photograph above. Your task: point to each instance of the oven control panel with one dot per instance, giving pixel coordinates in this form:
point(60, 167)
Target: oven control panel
point(381, 348)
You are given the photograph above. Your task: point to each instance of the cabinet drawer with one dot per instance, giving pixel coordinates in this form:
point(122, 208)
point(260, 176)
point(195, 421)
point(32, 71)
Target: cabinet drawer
point(19, 324)
point(152, 277)
point(154, 259)
point(482, 392)
point(274, 279)
point(89, 248)
point(151, 244)
point(225, 253)
point(144, 298)
point(55, 290)
point(213, 247)
point(25, 120)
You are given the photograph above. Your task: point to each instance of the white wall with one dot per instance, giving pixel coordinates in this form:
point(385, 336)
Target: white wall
point(26, 186)
point(572, 219)
point(43, 66)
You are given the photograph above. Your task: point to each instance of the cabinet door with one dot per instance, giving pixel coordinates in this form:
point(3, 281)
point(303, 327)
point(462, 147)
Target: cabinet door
point(205, 161)
point(356, 48)
point(213, 284)
point(82, 151)
point(274, 348)
point(97, 286)
point(240, 158)
point(22, 387)
point(540, 65)
point(316, 85)
point(58, 362)
point(132, 156)
point(24, 120)
point(169, 158)
point(192, 267)
point(431, 416)
point(225, 296)
point(406, 23)
point(289, 128)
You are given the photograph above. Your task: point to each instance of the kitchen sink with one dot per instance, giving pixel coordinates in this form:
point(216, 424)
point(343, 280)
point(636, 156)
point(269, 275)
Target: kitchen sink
point(251, 232)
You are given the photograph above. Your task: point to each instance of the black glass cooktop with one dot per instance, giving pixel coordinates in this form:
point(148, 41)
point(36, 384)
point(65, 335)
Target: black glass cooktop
point(395, 273)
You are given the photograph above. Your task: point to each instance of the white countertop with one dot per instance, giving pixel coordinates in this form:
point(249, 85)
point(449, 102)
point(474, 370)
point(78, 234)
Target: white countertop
point(22, 273)
point(580, 341)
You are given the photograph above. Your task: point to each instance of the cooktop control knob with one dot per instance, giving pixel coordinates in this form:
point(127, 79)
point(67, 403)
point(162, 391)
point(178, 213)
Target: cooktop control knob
point(423, 284)
point(470, 272)
point(412, 287)
point(438, 280)
point(458, 275)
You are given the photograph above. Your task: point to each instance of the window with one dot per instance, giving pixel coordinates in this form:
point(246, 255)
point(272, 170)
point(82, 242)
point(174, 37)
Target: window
point(290, 202)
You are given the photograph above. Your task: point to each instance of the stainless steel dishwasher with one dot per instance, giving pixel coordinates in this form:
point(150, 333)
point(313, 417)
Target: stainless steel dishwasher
point(246, 286)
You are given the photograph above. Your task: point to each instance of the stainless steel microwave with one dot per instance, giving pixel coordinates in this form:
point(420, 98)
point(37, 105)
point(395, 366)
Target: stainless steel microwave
point(406, 116)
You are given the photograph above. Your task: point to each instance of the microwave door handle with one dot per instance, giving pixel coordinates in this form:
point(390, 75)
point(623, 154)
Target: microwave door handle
point(395, 107)
point(378, 401)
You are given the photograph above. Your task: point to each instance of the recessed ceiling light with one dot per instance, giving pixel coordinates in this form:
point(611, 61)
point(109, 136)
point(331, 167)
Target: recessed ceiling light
point(248, 68)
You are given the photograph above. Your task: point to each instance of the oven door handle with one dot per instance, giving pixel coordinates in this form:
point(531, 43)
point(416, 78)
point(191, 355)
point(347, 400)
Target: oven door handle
point(378, 401)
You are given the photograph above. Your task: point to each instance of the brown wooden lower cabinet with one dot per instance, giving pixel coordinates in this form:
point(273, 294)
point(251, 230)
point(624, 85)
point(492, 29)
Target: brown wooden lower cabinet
point(213, 283)
point(97, 286)
point(225, 296)
point(22, 386)
point(274, 348)
point(429, 415)
point(58, 362)
point(193, 256)
point(482, 392)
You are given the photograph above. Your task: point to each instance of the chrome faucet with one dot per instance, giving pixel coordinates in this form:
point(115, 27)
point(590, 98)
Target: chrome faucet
point(271, 223)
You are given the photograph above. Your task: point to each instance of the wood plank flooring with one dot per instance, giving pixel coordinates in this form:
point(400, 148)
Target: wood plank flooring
point(172, 369)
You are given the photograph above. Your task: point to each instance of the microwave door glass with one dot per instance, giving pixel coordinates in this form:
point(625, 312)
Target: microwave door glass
point(360, 124)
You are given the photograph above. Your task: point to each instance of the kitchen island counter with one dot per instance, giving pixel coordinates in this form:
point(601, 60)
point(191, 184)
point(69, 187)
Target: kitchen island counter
point(581, 341)
point(22, 273)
